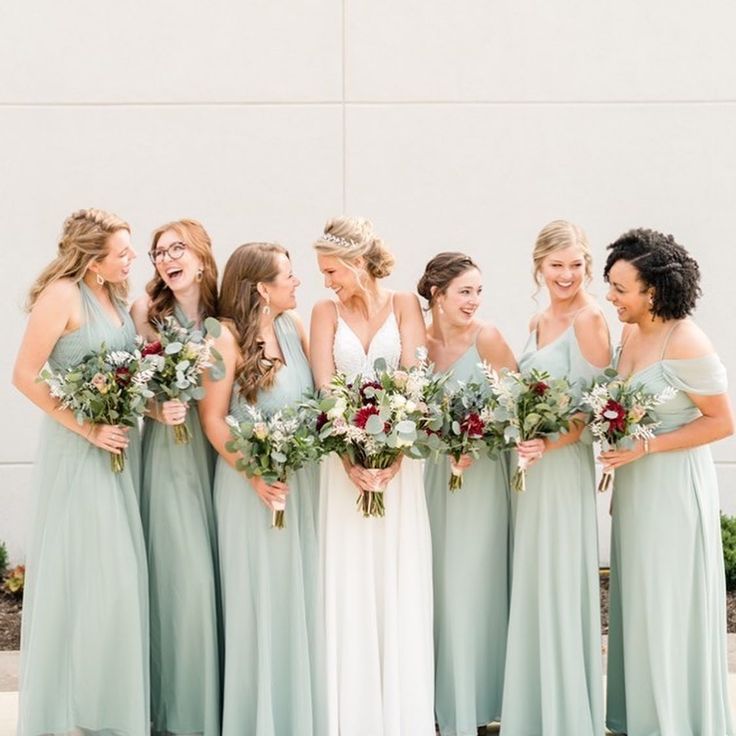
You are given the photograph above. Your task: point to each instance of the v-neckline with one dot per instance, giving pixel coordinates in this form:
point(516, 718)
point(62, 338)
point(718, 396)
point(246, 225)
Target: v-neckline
point(105, 313)
point(375, 334)
point(552, 342)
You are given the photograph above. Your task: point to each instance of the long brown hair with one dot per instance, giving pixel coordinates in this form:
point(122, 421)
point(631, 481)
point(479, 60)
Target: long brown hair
point(83, 240)
point(162, 298)
point(240, 305)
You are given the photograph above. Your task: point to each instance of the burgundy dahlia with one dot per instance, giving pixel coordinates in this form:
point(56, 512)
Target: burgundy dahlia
point(364, 414)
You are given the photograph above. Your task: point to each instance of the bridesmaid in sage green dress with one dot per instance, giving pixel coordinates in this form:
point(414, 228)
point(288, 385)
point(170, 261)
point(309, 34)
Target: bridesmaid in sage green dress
point(84, 650)
point(553, 683)
point(272, 622)
point(667, 660)
point(176, 503)
point(470, 526)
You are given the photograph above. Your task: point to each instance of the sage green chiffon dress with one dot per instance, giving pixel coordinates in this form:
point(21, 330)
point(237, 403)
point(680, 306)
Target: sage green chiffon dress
point(272, 621)
point(84, 650)
point(667, 652)
point(553, 684)
point(470, 566)
point(179, 525)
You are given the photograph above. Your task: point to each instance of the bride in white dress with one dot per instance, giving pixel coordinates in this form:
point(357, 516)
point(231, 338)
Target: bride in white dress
point(377, 572)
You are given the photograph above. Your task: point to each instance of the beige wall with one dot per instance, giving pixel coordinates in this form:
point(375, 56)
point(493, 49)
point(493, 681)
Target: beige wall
point(465, 125)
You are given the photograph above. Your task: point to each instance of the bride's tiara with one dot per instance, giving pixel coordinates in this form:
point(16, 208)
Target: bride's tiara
point(337, 240)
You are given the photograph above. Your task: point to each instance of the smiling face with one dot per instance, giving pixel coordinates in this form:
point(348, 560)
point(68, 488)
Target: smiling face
point(338, 277)
point(114, 267)
point(628, 293)
point(461, 298)
point(563, 272)
point(177, 264)
point(280, 294)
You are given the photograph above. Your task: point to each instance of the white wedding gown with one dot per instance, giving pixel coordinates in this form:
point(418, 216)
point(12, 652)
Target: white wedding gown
point(377, 578)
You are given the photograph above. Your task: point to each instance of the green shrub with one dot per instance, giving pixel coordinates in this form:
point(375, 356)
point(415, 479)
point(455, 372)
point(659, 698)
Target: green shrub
point(15, 581)
point(3, 558)
point(728, 536)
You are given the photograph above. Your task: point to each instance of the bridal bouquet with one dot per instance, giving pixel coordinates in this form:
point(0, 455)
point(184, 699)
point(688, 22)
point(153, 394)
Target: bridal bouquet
point(531, 405)
point(272, 446)
point(180, 356)
point(374, 420)
point(469, 426)
point(105, 388)
point(621, 415)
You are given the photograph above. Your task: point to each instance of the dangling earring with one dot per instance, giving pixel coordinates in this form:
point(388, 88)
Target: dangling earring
point(200, 274)
point(439, 307)
point(100, 281)
point(267, 308)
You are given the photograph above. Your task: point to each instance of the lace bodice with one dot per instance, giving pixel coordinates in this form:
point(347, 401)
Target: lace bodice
point(348, 353)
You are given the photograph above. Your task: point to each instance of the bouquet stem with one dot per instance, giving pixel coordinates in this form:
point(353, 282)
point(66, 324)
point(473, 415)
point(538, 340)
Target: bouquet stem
point(456, 478)
point(278, 509)
point(182, 435)
point(518, 480)
point(370, 502)
point(277, 519)
point(117, 462)
point(606, 480)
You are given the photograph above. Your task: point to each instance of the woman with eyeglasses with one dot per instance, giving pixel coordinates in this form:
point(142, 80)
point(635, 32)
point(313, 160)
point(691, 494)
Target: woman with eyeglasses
point(176, 502)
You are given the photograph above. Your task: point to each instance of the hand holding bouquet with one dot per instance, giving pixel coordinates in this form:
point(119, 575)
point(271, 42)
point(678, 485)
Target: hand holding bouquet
point(374, 420)
point(271, 447)
point(533, 406)
point(180, 356)
point(621, 415)
point(469, 426)
point(105, 388)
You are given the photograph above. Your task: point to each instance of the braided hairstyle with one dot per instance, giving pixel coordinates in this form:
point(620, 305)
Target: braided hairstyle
point(664, 266)
point(240, 305)
point(83, 240)
point(440, 272)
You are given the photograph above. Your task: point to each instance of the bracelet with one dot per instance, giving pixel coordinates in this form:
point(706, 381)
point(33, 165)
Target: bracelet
point(646, 445)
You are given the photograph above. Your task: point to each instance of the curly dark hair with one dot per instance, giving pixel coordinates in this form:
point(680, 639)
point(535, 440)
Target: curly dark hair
point(440, 272)
point(663, 265)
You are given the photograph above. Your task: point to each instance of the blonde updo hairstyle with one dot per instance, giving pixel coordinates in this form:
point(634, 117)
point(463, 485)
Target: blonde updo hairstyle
point(193, 234)
point(350, 238)
point(83, 240)
point(240, 306)
point(558, 235)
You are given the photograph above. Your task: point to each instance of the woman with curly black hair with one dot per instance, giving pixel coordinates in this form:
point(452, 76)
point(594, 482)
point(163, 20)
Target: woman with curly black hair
point(667, 670)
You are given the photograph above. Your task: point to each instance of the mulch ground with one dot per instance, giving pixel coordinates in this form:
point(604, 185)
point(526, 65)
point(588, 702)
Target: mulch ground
point(10, 609)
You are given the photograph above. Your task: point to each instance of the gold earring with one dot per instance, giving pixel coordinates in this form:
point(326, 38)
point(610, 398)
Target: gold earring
point(267, 307)
point(200, 274)
point(100, 281)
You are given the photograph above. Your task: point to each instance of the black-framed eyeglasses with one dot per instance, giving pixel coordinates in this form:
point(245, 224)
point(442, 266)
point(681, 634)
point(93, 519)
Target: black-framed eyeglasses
point(175, 251)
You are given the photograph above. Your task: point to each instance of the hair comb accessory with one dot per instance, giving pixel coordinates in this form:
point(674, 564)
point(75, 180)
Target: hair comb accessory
point(337, 240)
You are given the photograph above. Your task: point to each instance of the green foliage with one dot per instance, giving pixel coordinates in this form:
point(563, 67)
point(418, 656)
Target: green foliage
point(3, 558)
point(728, 537)
point(15, 581)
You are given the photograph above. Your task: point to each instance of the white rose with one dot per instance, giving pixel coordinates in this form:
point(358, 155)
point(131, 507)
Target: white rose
point(338, 410)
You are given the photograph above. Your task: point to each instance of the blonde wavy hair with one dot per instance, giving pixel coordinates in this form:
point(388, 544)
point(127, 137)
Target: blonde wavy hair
point(162, 299)
point(240, 305)
point(558, 235)
point(83, 240)
point(350, 238)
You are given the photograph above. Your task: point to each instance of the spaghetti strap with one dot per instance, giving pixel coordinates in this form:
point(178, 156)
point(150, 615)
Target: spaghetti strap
point(666, 342)
point(605, 322)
